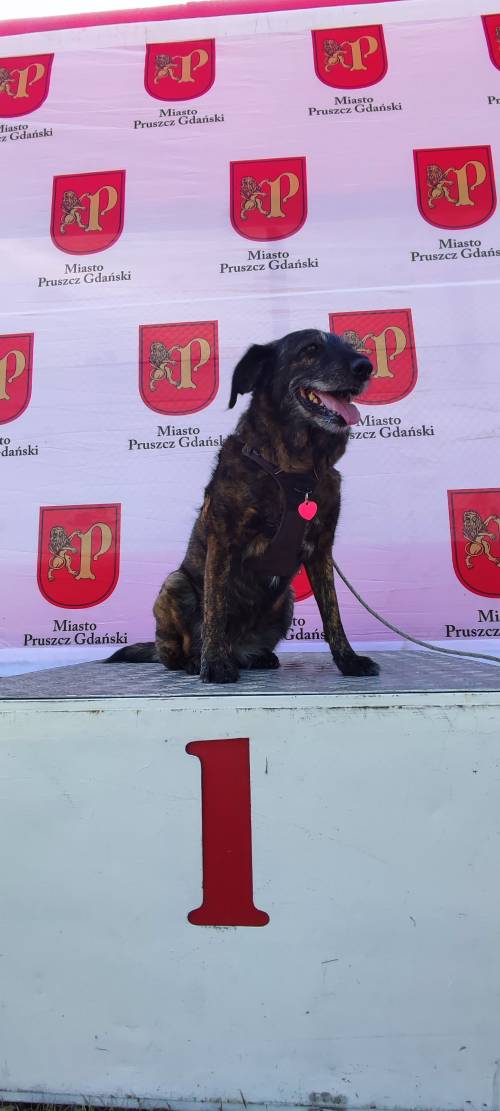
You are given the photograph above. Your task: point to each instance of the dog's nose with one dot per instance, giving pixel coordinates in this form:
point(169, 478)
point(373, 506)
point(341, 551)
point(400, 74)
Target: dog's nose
point(361, 368)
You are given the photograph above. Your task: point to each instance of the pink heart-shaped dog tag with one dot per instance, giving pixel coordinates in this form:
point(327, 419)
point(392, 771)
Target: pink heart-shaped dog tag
point(308, 509)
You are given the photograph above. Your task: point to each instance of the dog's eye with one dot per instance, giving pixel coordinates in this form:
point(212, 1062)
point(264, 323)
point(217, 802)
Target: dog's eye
point(311, 349)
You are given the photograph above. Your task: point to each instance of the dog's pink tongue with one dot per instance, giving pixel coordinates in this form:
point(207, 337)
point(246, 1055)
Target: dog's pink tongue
point(345, 409)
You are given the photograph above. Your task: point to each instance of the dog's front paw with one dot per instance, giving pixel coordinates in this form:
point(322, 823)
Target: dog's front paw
point(356, 665)
point(267, 661)
point(193, 665)
point(219, 669)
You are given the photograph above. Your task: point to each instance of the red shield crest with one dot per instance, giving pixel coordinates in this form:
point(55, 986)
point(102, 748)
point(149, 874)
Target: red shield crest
point(78, 554)
point(350, 57)
point(179, 70)
point(455, 186)
point(16, 364)
point(179, 366)
point(301, 585)
point(491, 24)
point(87, 211)
point(24, 83)
point(386, 337)
point(475, 539)
point(268, 197)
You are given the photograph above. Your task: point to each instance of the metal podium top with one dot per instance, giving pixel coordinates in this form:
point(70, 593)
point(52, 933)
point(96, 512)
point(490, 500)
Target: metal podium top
point(300, 674)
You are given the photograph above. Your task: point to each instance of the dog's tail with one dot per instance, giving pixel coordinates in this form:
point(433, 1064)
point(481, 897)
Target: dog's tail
point(135, 654)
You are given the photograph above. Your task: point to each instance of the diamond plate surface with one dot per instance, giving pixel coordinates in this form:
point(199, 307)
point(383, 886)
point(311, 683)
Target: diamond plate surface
point(308, 674)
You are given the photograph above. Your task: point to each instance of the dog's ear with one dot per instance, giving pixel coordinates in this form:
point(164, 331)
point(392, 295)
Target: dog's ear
point(258, 359)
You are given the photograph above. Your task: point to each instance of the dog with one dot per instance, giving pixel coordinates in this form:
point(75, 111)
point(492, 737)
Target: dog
point(272, 504)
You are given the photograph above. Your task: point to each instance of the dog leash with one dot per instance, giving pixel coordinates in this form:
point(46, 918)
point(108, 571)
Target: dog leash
point(296, 534)
point(406, 636)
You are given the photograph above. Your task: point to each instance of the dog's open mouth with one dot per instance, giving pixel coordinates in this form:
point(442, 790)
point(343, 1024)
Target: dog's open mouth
point(336, 407)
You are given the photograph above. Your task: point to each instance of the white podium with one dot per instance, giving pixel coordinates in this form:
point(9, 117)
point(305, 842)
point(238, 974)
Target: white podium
point(370, 855)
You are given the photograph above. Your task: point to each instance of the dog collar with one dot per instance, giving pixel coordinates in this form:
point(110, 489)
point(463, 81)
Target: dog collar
point(305, 480)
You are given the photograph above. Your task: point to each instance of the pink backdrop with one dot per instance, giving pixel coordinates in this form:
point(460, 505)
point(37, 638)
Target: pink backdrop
point(133, 277)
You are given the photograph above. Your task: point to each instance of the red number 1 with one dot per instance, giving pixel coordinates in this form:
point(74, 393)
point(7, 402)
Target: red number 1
point(226, 835)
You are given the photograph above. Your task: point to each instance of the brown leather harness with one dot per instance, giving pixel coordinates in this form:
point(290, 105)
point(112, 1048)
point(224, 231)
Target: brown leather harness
point(282, 556)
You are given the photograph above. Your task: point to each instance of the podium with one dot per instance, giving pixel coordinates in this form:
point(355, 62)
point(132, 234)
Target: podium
point(358, 818)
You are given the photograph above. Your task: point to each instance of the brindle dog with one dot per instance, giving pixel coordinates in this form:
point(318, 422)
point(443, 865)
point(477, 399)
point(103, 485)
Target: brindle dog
point(230, 601)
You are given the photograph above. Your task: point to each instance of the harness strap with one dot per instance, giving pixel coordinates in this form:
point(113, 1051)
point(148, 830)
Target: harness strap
point(282, 557)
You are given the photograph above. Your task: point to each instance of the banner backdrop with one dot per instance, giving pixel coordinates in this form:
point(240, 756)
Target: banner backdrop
point(175, 191)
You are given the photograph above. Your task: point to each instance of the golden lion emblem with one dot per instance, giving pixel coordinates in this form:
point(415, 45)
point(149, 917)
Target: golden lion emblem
point(60, 546)
point(334, 54)
point(477, 536)
point(71, 207)
point(355, 341)
point(162, 364)
point(437, 184)
point(164, 67)
point(5, 78)
point(251, 192)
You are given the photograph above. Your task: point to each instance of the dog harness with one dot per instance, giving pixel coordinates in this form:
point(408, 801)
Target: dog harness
point(282, 556)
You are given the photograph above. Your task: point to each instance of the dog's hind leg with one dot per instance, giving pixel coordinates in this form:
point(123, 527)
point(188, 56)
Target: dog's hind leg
point(178, 625)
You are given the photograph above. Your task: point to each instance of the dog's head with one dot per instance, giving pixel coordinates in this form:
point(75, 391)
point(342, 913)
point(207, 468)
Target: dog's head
point(309, 376)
